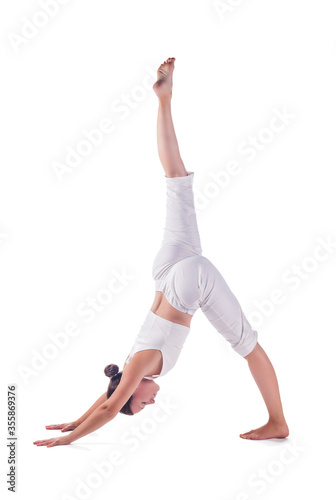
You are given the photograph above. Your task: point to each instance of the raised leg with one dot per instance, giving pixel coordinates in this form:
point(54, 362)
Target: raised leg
point(168, 149)
point(264, 375)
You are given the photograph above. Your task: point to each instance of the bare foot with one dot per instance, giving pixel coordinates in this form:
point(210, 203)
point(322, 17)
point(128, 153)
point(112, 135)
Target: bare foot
point(164, 84)
point(268, 431)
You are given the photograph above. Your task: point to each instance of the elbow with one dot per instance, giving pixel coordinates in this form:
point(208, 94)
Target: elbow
point(109, 411)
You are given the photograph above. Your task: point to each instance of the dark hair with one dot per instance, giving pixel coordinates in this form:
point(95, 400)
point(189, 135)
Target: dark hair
point(112, 371)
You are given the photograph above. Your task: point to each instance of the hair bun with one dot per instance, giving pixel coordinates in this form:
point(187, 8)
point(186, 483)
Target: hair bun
point(111, 370)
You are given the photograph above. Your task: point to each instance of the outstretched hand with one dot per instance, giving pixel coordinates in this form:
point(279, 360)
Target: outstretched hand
point(63, 427)
point(49, 443)
point(60, 440)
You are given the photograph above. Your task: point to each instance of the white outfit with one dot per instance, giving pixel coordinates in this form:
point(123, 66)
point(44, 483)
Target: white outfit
point(189, 281)
point(159, 333)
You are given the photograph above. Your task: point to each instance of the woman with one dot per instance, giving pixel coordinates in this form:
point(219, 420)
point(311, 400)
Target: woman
point(184, 282)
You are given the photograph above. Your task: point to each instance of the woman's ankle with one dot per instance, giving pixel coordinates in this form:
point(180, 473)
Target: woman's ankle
point(277, 419)
point(165, 100)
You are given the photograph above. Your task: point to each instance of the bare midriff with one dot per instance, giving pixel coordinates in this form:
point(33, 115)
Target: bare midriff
point(162, 308)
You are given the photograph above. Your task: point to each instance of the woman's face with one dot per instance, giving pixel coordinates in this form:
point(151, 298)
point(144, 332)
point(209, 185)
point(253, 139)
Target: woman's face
point(144, 395)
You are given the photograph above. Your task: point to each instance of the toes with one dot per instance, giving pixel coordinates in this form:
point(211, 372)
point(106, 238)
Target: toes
point(246, 433)
point(167, 61)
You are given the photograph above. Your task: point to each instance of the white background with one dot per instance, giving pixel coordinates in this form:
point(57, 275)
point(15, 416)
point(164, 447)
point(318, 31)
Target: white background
point(61, 240)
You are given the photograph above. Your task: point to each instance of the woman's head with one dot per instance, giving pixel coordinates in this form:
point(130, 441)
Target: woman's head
point(143, 395)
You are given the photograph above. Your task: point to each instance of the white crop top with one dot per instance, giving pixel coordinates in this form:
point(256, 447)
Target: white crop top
point(166, 336)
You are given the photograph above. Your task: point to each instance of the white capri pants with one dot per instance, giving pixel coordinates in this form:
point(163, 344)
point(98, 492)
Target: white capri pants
point(190, 281)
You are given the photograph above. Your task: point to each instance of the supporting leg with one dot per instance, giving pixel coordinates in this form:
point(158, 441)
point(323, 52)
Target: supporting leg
point(264, 375)
point(168, 149)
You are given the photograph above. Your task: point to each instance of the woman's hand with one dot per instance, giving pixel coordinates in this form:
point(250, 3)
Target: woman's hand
point(63, 427)
point(60, 440)
point(49, 443)
point(100, 416)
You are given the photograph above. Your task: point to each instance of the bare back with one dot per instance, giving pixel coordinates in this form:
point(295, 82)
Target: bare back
point(162, 308)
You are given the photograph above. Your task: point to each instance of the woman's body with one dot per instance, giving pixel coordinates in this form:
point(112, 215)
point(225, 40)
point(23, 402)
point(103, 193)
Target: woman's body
point(147, 363)
point(162, 308)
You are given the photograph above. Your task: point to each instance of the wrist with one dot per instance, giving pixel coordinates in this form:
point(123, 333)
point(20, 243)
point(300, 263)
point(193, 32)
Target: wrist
point(65, 439)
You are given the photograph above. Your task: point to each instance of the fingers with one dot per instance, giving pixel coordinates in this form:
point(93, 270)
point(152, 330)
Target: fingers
point(43, 442)
point(62, 427)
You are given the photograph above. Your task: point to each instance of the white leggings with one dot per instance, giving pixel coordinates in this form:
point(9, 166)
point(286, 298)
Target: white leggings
point(190, 281)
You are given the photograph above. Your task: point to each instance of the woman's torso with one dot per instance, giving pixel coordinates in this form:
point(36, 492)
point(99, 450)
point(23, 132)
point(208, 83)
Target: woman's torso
point(162, 308)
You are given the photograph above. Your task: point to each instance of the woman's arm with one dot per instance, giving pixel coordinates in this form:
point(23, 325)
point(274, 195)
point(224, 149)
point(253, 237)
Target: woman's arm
point(132, 376)
point(99, 401)
point(73, 425)
point(99, 417)
point(130, 380)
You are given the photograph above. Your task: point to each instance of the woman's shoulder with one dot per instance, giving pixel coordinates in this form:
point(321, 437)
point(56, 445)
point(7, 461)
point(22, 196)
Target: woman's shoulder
point(149, 361)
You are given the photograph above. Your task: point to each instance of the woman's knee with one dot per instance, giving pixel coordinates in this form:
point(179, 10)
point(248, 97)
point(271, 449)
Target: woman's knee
point(254, 351)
